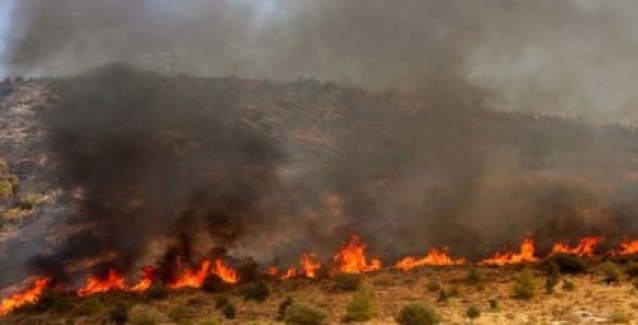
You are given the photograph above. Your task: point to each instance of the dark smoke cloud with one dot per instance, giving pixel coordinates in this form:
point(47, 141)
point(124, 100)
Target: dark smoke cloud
point(572, 57)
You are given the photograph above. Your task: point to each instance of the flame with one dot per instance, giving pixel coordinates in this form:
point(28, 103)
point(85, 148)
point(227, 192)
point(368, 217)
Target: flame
point(29, 296)
point(272, 271)
point(192, 278)
point(434, 257)
point(310, 265)
point(585, 247)
point(352, 259)
point(526, 255)
point(629, 247)
point(227, 274)
point(148, 274)
point(112, 282)
point(290, 273)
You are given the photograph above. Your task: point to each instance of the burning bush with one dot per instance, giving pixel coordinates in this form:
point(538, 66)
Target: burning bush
point(418, 313)
point(524, 285)
point(298, 314)
point(363, 306)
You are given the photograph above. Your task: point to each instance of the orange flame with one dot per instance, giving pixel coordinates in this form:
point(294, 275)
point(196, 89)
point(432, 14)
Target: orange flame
point(628, 248)
point(192, 278)
point(148, 274)
point(290, 273)
point(352, 259)
point(434, 257)
point(227, 274)
point(29, 296)
point(585, 247)
point(525, 255)
point(310, 265)
point(112, 282)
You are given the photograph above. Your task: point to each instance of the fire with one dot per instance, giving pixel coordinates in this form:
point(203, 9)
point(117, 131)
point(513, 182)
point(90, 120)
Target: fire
point(434, 257)
point(192, 278)
point(290, 273)
point(310, 265)
point(526, 254)
point(227, 274)
point(585, 247)
point(352, 259)
point(628, 247)
point(112, 282)
point(29, 296)
point(148, 274)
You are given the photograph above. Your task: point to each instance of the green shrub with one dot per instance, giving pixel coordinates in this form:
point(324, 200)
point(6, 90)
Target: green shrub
point(568, 263)
point(229, 310)
point(347, 281)
point(618, 317)
point(568, 285)
point(433, 286)
point(31, 200)
point(550, 283)
point(157, 292)
point(283, 306)
point(221, 301)
point(180, 314)
point(524, 285)
point(144, 315)
point(418, 313)
point(90, 306)
point(610, 272)
point(473, 312)
point(6, 189)
point(298, 314)
point(363, 306)
point(119, 314)
point(257, 291)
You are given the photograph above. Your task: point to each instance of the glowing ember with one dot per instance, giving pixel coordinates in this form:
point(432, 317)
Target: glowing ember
point(192, 278)
point(628, 248)
point(148, 274)
point(226, 273)
point(310, 265)
point(112, 282)
point(29, 296)
point(434, 257)
point(585, 247)
point(352, 259)
point(272, 271)
point(525, 255)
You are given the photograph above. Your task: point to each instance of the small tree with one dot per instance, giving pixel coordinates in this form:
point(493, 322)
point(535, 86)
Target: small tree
point(363, 306)
point(418, 313)
point(524, 285)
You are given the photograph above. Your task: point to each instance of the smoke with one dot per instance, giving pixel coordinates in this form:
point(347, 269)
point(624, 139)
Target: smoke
point(195, 163)
point(573, 58)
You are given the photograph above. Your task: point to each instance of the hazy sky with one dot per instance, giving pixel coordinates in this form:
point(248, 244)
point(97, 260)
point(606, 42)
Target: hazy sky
point(4, 17)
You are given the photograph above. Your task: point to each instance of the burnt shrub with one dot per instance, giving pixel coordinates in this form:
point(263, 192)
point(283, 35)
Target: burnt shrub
point(567, 263)
point(214, 283)
point(157, 292)
point(298, 314)
point(257, 291)
point(248, 271)
point(119, 313)
point(347, 281)
point(418, 313)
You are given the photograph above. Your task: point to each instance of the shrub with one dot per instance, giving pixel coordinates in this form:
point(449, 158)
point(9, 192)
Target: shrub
point(298, 314)
point(524, 285)
point(433, 286)
point(283, 306)
point(180, 314)
point(32, 200)
point(632, 269)
point(568, 263)
point(347, 281)
point(90, 306)
point(212, 321)
point(229, 310)
point(221, 301)
point(473, 312)
point(568, 285)
point(550, 283)
point(494, 306)
point(249, 271)
point(257, 291)
point(618, 317)
point(144, 315)
point(363, 306)
point(474, 277)
point(54, 302)
point(6, 189)
point(610, 272)
point(119, 314)
point(157, 291)
point(418, 313)
point(443, 296)
point(214, 283)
